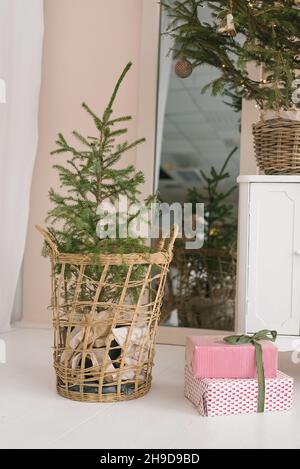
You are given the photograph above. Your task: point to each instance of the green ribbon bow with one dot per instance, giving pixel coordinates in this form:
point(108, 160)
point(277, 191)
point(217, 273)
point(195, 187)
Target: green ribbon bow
point(265, 334)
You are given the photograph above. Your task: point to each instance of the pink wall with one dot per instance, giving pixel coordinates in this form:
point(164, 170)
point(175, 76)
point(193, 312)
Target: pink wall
point(86, 44)
point(250, 115)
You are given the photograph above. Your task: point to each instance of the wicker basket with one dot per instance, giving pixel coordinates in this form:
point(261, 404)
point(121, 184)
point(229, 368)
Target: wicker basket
point(105, 324)
point(277, 146)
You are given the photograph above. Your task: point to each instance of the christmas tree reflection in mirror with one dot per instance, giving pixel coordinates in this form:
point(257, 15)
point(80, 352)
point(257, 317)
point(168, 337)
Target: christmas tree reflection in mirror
point(197, 157)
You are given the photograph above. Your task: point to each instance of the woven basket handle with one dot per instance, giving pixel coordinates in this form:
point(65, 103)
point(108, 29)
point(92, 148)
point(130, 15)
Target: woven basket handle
point(167, 242)
point(48, 238)
point(164, 244)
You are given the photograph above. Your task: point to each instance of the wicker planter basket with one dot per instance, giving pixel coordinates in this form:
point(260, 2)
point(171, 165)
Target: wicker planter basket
point(277, 146)
point(105, 324)
point(204, 293)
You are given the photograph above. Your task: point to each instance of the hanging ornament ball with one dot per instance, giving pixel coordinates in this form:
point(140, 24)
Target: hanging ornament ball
point(183, 68)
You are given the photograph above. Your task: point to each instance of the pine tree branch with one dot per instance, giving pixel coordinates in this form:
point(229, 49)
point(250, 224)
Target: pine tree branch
point(108, 109)
point(96, 119)
point(271, 30)
point(91, 178)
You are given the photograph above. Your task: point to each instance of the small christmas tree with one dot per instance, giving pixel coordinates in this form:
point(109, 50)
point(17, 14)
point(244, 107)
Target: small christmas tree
point(91, 178)
point(220, 222)
point(241, 31)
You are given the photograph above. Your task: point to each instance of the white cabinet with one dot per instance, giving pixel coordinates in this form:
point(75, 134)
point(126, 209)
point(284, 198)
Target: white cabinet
point(268, 290)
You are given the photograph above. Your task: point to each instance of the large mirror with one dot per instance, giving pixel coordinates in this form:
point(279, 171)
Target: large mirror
point(197, 160)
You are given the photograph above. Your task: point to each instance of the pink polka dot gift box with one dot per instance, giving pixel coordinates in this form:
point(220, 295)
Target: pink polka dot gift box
point(228, 396)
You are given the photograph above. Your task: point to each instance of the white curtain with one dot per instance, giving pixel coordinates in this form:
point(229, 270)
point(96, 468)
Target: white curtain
point(165, 67)
point(21, 38)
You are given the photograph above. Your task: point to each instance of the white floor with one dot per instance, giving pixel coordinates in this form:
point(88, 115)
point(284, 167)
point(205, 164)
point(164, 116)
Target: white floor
point(32, 415)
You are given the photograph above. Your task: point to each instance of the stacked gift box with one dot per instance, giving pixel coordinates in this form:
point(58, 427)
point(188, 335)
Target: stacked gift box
point(221, 378)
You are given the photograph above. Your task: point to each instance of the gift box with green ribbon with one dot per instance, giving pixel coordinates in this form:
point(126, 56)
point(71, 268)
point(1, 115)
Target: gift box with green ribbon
point(211, 356)
point(241, 360)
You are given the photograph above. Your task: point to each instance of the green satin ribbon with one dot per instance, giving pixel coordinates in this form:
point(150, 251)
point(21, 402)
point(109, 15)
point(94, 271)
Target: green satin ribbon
point(265, 334)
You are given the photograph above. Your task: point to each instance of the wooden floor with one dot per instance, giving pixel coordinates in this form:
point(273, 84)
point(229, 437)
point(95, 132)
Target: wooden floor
point(32, 415)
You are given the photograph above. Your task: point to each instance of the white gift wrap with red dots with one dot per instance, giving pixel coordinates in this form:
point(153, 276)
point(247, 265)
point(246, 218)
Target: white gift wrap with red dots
point(223, 396)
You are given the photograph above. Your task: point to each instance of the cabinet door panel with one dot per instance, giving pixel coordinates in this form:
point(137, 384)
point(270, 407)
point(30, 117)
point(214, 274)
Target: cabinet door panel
point(273, 299)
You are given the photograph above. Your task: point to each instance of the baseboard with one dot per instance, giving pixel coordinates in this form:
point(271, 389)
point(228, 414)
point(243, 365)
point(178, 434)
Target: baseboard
point(177, 335)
